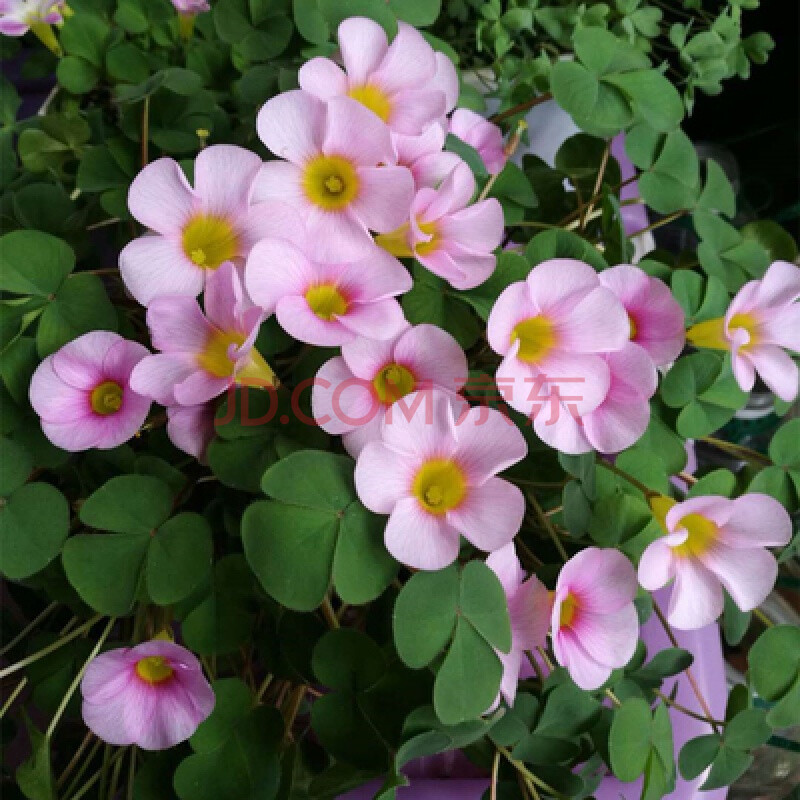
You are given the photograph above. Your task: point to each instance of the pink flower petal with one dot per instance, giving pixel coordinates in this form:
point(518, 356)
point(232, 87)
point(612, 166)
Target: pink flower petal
point(79, 362)
point(488, 443)
point(512, 306)
point(379, 319)
point(224, 176)
point(757, 520)
point(336, 237)
point(461, 268)
point(422, 425)
point(609, 638)
point(354, 132)
point(383, 477)
point(594, 323)
point(446, 80)
point(161, 198)
point(556, 425)
point(154, 265)
point(582, 668)
point(490, 515)
point(267, 220)
point(504, 562)
point(619, 421)
point(580, 380)
point(200, 387)
point(414, 109)
point(556, 285)
point(363, 44)
point(156, 376)
point(366, 357)
point(432, 355)
point(177, 325)
point(191, 428)
point(322, 78)
point(409, 61)
point(748, 575)
point(292, 125)
point(530, 608)
point(279, 182)
point(478, 227)
point(454, 194)
point(299, 321)
point(53, 399)
point(780, 284)
point(107, 675)
point(696, 599)
point(341, 402)
point(418, 539)
point(656, 566)
point(777, 369)
point(358, 438)
point(274, 269)
point(384, 197)
point(603, 579)
point(782, 327)
point(717, 509)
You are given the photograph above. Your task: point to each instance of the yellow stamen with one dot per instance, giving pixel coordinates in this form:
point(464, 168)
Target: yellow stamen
point(374, 99)
point(536, 336)
point(326, 301)
point(702, 535)
point(154, 669)
point(709, 334)
point(439, 486)
point(568, 610)
point(749, 323)
point(393, 382)
point(215, 359)
point(209, 241)
point(106, 398)
point(330, 182)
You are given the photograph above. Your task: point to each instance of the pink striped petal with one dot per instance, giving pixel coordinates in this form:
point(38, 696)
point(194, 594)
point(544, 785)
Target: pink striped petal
point(414, 109)
point(379, 319)
point(490, 515)
point(696, 599)
point(79, 362)
point(609, 638)
point(224, 176)
point(292, 125)
point(341, 402)
point(512, 306)
point(322, 78)
point(161, 198)
point(279, 181)
point(274, 269)
point(363, 44)
point(582, 668)
point(603, 579)
point(177, 325)
point(780, 284)
point(384, 197)
point(418, 539)
point(156, 376)
point(355, 133)
point(409, 61)
point(656, 566)
point(757, 520)
point(422, 425)
point(504, 562)
point(488, 442)
point(748, 575)
point(432, 355)
point(53, 399)
point(777, 369)
point(556, 285)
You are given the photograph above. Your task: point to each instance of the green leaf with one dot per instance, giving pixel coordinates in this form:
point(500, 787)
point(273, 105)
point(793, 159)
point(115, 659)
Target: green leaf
point(697, 754)
point(310, 23)
point(85, 35)
point(347, 660)
point(727, 767)
point(629, 741)
point(655, 100)
point(106, 569)
point(77, 75)
point(568, 711)
point(16, 465)
point(469, 678)
point(128, 63)
point(563, 244)
point(312, 479)
point(335, 11)
point(128, 504)
point(35, 776)
point(717, 194)
point(775, 672)
point(483, 603)
point(774, 238)
point(425, 615)
point(32, 262)
point(34, 522)
point(417, 12)
point(233, 702)
point(603, 53)
point(748, 729)
point(178, 558)
point(81, 305)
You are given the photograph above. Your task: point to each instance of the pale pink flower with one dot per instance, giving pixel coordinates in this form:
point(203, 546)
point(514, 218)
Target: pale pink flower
point(353, 392)
point(655, 316)
point(339, 171)
point(424, 156)
point(714, 542)
point(405, 83)
point(196, 229)
point(621, 418)
point(594, 622)
point(447, 234)
point(762, 319)
point(83, 396)
point(191, 428)
point(434, 473)
point(529, 607)
point(153, 695)
point(17, 17)
point(483, 136)
point(552, 331)
point(191, 7)
point(327, 304)
point(202, 355)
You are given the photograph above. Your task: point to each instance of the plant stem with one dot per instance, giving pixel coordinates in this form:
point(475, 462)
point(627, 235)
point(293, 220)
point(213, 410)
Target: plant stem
point(263, 688)
point(511, 145)
point(598, 183)
point(744, 453)
point(28, 628)
point(74, 685)
point(645, 490)
point(689, 713)
point(763, 618)
point(45, 651)
point(82, 771)
point(528, 775)
point(659, 223)
point(495, 771)
point(689, 676)
point(545, 520)
point(328, 613)
point(145, 131)
point(131, 773)
point(528, 104)
point(12, 697)
point(75, 759)
point(292, 707)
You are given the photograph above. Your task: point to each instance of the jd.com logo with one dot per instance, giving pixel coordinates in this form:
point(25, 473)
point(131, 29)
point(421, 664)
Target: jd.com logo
point(487, 392)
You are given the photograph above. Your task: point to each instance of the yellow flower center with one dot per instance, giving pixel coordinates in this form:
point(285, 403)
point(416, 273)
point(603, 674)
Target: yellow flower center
point(215, 359)
point(536, 338)
point(326, 301)
point(373, 98)
point(709, 334)
point(393, 382)
point(154, 669)
point(106, 398)
point(330, 182)
point(209, 241)
point(632, 328)
point(749, 323)
point(439, 486)
point(702, 534)
point(569, 607)
point(429, 229)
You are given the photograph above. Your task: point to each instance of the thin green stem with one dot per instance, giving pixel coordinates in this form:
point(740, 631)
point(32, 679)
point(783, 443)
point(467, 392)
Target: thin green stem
point(518, 109)
point(645, 490)
point(659, 223)
point(45, 651)
point(75, 759)
point(12, 697)
point(545, 520)
point(28, 628)
point(528, 775)
point(689, 713)
point(745, 453)
point(82, 770)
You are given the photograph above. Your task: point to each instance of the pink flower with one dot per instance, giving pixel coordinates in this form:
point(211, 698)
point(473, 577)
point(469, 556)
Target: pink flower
point(328, 304)
point(655, 316)
point(594, 623)
point(83, 396)
point(191, 428)
point(713, 542)
point(529, 607)
point(433, 473)
point(153, 695)
point(424, 156)
point(338, 171)
point(621, 418)
point(406, 83)
point(552, 330)
point(17, 17)
point(353, 392)
point(191, 6)
point(453, 239)
point(483, 136)
point(202, 355)
point(195, 229)
point(763, 318)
